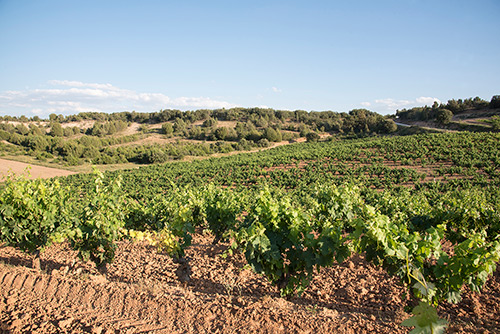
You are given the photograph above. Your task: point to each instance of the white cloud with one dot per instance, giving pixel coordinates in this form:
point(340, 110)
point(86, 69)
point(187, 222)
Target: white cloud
point(71, 97)
point(276, 90)
point(390, 105)
point(429, 101)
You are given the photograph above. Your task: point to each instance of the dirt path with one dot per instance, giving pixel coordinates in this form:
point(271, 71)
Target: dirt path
point(7, 166)
point(142, 294)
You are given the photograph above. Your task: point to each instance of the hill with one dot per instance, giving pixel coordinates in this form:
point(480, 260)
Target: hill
point(125, 139)
point(128, 137)
point(457, 115)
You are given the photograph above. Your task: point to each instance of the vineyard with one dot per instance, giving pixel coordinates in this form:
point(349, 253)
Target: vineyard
point(421, 211)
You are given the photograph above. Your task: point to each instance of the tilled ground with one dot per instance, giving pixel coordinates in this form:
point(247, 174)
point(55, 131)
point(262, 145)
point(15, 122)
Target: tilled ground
point(142, 294)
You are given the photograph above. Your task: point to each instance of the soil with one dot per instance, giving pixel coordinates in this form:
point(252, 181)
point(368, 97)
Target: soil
point(141, 293)
point(7, 166)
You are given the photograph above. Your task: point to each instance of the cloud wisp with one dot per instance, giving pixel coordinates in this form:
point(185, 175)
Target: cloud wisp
point(390, 105)
point(72, 97)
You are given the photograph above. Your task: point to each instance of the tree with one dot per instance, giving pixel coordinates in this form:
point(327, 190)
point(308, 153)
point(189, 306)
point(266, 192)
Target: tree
point(179, 125)
point(68, 132)
point(167, 129)
point(56, 130)
point(263, 142)
point(38, 143)
point(196, 133)
point(210, 122)
point(221, 133)
point(272, 135)
point(304, 129)
point(454, 105)
point(35, 130)
point(98, 129)
point(22, 130)
point(261, 122)
point(495, 102)
point(479, 103)
point(240, 130)
point(444, 116)
point(312, 137)
point(388, 126)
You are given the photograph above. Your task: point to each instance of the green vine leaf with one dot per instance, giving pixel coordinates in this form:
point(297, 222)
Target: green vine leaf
point(425, 320)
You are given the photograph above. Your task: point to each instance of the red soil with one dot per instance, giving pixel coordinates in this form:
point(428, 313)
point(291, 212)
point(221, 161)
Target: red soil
point(142, 294)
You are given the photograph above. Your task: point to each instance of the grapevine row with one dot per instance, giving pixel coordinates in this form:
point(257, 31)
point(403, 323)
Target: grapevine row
point(284, 240)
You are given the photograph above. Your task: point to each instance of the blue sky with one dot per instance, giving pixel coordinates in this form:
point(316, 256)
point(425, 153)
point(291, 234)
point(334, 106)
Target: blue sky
point(66, 57)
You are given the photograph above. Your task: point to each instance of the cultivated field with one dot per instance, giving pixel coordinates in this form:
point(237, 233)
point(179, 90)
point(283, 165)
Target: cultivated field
point(143, 295)
point(16, 167)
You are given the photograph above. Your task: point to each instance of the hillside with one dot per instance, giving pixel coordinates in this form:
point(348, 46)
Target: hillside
point(483, 120)
point(121, 138)
point(124, 139)
point(456, 115)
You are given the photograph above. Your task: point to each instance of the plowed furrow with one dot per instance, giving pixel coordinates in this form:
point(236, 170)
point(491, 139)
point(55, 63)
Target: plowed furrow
point(109, 319)
point(9, 279)
point(51, 289)
point(76, 293)
point(64, 290)
point(19, 281)
point(102, 300)
point(37, 281)
point(123, 303)
point(40, 285)
point(29, 282)
point(3, 275)
point(88, 296)
point(116, 299)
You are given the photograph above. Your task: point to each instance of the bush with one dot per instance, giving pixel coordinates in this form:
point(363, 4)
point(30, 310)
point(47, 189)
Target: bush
point(167, 129)
point(32, 213)
point(56, 130)
point(444, 116)
point(272, 135)
point(276, 239)
point(312, 137)
point(263, 143)
point(100, 222)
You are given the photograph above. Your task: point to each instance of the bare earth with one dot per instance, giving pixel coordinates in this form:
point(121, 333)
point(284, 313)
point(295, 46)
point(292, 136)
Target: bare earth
point(141, 294)
point(7, 166)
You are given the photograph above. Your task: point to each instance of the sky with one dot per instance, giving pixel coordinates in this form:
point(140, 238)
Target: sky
point(67, 57)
